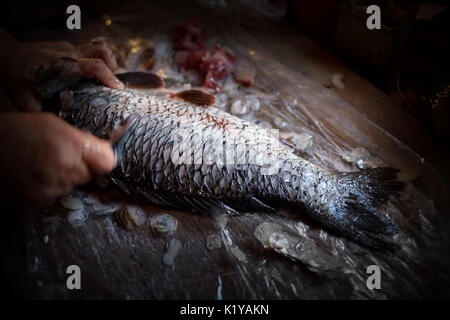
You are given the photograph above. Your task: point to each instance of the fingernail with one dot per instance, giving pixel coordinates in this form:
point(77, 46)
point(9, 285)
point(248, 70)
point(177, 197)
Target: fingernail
point(108, 150)
point(120, 84)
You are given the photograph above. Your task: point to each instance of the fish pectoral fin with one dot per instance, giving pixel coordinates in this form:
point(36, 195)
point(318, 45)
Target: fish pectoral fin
point(208, 206)
point(198, 204)
point(141, 80)
point(197, 97)
point(203, 205)
point(249, 204)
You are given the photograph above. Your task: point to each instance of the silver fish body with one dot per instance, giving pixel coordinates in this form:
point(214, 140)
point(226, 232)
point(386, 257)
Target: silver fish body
point(206, 159)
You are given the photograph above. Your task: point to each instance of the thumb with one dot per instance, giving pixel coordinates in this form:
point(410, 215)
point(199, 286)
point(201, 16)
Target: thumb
point(98, 155)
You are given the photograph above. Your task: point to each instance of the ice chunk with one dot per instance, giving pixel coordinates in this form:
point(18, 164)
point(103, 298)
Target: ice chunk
point(337, 79)
point(77, 217)
point(103, 209)
point(213, 241)
point(296, 248)
point(238, 254)
point(173, 249)
point(72, 201)
point(362, 158)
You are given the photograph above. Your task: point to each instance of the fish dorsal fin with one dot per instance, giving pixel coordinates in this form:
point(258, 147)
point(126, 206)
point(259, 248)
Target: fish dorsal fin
point(141, 80)
point(197, 97)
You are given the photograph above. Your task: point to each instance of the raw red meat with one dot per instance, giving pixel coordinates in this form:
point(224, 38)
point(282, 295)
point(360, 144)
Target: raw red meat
point(216, 66)
point(191, 54)
point(189, 60)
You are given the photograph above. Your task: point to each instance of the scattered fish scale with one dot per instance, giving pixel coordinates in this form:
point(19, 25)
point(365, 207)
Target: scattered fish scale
point(130, 217)
point(163, 223)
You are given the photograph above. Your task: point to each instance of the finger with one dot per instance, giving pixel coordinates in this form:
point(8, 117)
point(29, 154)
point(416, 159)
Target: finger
point(99, 40)
point(98, 50)
point(98, 155)
point(53, 45)
point(102, 53)
point(26, 99)
point(64, 45)
point(96, 68)
point(81, 174)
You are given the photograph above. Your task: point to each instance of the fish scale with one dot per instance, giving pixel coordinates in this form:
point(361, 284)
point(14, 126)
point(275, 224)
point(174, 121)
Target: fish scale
point(175, 154)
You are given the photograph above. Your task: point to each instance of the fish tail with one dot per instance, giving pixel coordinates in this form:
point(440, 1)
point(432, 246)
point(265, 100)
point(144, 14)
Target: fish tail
point(351, 206)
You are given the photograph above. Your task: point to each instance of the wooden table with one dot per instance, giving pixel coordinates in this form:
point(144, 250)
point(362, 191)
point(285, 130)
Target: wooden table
point(121, 264)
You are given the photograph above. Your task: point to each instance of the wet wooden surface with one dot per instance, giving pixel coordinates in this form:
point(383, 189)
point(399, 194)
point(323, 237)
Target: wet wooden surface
point(285, 43)
point(123, 264)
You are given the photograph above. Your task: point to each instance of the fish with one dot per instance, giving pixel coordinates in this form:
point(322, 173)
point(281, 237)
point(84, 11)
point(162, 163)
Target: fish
point(181, 151)
point(182, 154)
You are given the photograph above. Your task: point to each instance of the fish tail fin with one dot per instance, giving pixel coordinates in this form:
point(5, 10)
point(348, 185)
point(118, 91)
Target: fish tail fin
point(352, 206)
point(372, 187)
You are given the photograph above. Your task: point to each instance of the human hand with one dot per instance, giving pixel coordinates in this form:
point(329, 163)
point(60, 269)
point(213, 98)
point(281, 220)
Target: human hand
point(95, 60)
point(45, 157)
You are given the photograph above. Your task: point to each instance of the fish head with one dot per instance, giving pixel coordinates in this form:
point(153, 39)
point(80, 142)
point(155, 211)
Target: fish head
point(51, 79)
point(67, 104)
